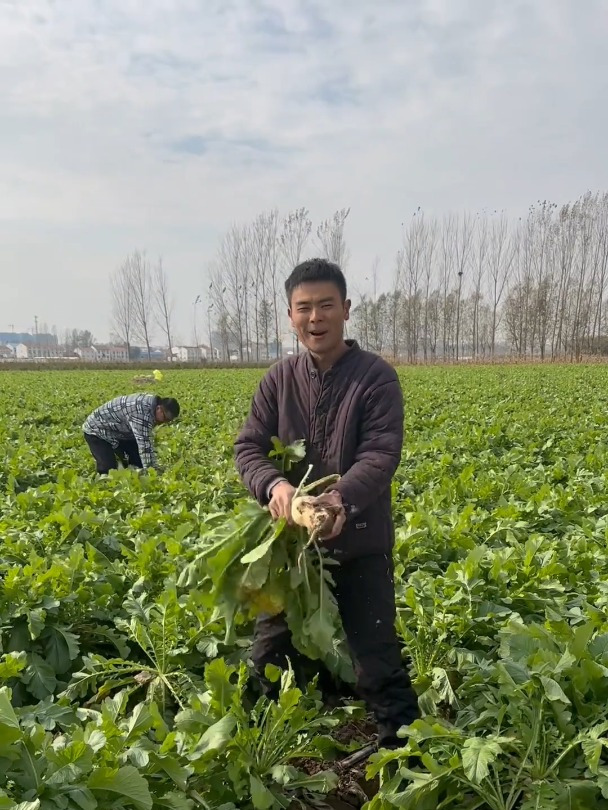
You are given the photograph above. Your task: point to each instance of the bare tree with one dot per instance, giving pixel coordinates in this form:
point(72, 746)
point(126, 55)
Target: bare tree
point(294, 236)
point(140, 280)
point(463, 243)
point(480, 261)
point(123, 305)
point(394, 306)
point(542, 265)
point(264, 247)
point(518, 306)
point(331, 240)
point(500, 260)
point(448, 236)
point(410, 262)
point(265, 320)
point(585, 211)
point(163, 303)
point(360, 320)
point(433, 321)
point(376, 316)
point(419, 244)
point(429, 248)
point(259, 273)
point(231, 277)
point(601, 264)
point(217, 292)
point(291, 243)
point(363, 313)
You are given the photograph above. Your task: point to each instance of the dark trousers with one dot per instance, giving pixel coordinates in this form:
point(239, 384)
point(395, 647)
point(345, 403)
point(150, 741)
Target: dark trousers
point(366, 599)
point(106, 457)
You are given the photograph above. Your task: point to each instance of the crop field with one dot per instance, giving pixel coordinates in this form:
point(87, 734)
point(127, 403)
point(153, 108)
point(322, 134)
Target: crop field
point(127, 603)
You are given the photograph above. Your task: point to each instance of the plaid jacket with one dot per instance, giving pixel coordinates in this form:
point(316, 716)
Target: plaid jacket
point(126, 417)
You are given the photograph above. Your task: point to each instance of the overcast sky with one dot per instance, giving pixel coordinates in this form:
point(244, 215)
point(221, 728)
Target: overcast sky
point(155, 124)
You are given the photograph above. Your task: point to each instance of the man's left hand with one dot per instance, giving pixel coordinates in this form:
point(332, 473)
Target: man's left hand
point(333, 499)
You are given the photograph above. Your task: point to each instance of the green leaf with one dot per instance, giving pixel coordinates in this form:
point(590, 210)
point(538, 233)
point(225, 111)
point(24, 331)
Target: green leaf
point(60, 647)
point(8, 718)
point(139, 721)
point(272, 673)
point(260, 551)
point(256, 574)
point(11, 664)
point(217, 676)
point(50, 715)
point(320, 629)
point(178, 773)
point(40, 677)
point(216, 736)
point(553, 690)
point(320, 782)
point(593, 751)
point(82, 797)
point(76, 758)
point(35, 622)
point(174, 801)
point(477, 755)
point(96, 739)
point(544, 798)
point(261, 797)
point(183, 531)
point(138, 756)
point(126, 782)
point(421, 793)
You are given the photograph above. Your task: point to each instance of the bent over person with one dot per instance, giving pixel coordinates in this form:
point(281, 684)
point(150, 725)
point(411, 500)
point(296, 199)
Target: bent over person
point(122, 429)
point(347, 405)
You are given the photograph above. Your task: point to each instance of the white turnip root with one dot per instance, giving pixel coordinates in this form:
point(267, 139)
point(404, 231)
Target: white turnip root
point(316, 518)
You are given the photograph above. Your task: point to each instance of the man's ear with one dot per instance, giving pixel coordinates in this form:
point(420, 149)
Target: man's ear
point(347, 309)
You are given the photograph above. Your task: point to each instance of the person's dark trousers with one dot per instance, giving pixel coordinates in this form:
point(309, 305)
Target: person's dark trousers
point(106, 457)
point(366, 598)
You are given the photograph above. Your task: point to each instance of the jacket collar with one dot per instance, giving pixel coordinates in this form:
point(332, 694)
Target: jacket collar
point(344, 360)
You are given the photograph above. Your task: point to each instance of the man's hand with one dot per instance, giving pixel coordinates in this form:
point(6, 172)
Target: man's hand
point(280, 500)
point(333, 499)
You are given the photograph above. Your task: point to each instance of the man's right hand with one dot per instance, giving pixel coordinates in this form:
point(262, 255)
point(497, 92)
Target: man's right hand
point(280, 500)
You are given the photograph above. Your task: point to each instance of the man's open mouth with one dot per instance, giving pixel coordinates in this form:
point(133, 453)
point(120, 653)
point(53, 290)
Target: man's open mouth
point(318, 334)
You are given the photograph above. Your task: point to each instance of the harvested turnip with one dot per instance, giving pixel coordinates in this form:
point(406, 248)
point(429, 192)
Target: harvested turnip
point(317, 518)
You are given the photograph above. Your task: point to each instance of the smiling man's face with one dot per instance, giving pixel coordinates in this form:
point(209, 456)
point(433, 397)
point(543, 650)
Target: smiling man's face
point(318, 313)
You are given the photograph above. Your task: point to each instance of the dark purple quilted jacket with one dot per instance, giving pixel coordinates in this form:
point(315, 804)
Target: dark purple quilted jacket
point(351, 418)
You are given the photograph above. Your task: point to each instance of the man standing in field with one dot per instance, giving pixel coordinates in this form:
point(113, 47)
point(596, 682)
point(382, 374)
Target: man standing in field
point(122, 429)
point(347, 405)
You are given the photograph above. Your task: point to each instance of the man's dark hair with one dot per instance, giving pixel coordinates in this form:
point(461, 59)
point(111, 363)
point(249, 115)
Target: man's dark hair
point(316, 270)
point(170, 406)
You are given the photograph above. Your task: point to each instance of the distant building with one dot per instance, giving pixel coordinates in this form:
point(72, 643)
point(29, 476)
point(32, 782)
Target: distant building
point(140, 354)
point(113, 354)
point(87, 354)
point(102, 353)
point(6, 353)
point(195, 354)
point(38, 351)
point(187, 354)
point(207, 353)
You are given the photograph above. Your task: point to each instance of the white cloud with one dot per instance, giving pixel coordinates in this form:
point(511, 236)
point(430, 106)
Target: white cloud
point(157, 124)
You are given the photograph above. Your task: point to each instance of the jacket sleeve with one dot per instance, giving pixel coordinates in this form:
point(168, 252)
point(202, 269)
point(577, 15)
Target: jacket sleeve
point(379, 450)
point(142, 431)
point(254, 442)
